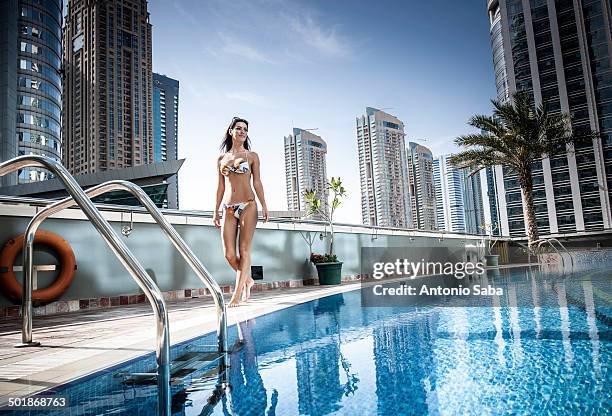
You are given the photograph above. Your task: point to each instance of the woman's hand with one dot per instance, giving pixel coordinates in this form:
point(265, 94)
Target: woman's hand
point(216, 220)
point(266, 214)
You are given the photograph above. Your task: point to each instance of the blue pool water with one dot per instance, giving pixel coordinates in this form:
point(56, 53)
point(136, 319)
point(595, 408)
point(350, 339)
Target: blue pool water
point(333, 356)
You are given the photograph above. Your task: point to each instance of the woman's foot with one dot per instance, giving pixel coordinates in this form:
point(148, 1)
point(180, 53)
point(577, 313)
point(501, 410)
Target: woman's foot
point(234, 301)
point(247, 289)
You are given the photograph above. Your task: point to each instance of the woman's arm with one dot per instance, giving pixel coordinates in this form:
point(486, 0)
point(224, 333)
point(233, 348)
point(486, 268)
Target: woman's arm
point(220, 193)
point(258, 186)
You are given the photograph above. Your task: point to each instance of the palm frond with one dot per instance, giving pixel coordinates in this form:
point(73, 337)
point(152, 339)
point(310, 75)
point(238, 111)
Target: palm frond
point(477, 159)
point(516, 135)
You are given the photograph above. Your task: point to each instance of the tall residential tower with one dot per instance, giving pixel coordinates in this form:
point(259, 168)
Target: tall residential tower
point(420, 180)
point(165, 129)
point(459, 203)
point(305, 169)
point(108, 110)
point(473, 203)
point(490, 208)
point(560, 51)
point(385, 199)
point(450, 207)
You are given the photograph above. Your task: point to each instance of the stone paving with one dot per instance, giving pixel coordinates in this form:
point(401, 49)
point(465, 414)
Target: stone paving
point(80, 343)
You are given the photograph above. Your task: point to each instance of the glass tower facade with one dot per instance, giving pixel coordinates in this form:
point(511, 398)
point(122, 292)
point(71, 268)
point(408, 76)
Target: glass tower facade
point(450, 193)
point(499, 64)
point(473, 203)
point(490, 198)
point(559, 52)
point(31, 86)
point(459, 202)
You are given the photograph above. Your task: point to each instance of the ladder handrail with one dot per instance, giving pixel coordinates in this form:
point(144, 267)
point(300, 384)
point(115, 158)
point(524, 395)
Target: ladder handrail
point(564, 249)
point(550, 241)
point(545, 240)
point(186, 252)
point(118, 247)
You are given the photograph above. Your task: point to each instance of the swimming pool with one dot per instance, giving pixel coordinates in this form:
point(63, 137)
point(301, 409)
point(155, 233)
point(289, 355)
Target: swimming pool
point(333, 356)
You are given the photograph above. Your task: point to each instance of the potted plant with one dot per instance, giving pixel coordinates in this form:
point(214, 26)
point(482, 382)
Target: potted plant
point(328, 267)
point(491, 259)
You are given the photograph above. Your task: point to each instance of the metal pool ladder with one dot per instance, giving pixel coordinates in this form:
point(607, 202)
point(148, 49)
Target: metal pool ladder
point(125, 256)
point(179, 244)
point(550, 242)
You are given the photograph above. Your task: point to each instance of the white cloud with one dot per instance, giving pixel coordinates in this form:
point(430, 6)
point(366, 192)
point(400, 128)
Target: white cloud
point(326, 41)
point(271, 28)
point(184, 13)
point(249, 98)
point(233, 46)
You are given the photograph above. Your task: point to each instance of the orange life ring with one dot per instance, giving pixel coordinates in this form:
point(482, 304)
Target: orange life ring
point(12, 289)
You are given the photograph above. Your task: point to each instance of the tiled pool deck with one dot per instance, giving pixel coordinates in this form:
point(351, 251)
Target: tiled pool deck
point(80, 343)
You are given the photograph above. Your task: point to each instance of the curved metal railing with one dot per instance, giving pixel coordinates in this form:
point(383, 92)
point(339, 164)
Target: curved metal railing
point(152, 292)
point(166, 227)
point(550, 241)
point(564, 249)
point(546, 241)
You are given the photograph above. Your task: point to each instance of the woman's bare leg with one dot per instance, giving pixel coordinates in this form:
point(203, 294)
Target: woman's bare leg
point(248, 221)
point(247, 224)
point(229, 232)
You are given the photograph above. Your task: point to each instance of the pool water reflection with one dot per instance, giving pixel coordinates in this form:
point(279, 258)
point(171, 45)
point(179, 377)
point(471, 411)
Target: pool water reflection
point(332, 356)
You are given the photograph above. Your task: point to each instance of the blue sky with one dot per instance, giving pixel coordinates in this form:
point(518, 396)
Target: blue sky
point(318, 64)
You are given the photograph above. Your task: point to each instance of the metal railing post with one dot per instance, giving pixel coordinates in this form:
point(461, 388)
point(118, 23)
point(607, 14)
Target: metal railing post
point(135, 269)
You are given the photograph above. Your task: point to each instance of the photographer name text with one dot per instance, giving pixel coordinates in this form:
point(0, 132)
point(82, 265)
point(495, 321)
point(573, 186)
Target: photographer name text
point(407, 290)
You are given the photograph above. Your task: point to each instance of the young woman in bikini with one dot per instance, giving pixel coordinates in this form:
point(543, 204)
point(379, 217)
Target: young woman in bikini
point(235, 167)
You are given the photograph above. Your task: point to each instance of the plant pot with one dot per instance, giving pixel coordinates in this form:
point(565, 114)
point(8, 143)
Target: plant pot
point(492, 260)
point(329, 273)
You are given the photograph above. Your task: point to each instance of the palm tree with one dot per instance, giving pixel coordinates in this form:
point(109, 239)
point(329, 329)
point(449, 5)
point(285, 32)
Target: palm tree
point(516, 136)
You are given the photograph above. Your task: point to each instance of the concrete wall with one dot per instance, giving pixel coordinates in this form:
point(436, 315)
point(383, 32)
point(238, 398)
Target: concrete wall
point(277, 246)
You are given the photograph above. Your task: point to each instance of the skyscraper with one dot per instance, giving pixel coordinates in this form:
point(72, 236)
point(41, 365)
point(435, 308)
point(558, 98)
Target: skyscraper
point(108, 94)
point(459, 203)
point(305, 169)
point(489, 199)
point(450, 203)
point(420, 180)
point(385, 197)
point(472, 203)
point(560, 52)
point(30, 85)
point(165, 128)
